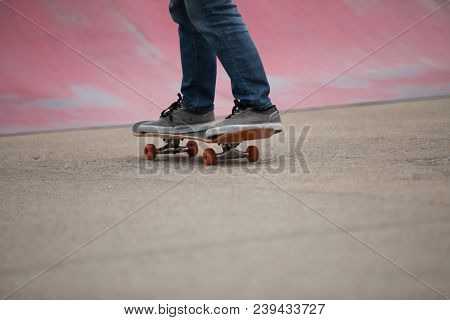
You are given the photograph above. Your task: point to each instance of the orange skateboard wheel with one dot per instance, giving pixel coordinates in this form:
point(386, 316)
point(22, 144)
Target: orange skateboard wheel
point(150, 151)
point(192, 148)
point(209, 157)
point(252, 153)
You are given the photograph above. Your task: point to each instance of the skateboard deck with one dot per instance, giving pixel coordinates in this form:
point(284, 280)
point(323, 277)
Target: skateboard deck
point(229, 142)
point(232, 137)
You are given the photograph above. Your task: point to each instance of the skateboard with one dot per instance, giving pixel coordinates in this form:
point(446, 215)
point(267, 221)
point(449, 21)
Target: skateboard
point(229, 143)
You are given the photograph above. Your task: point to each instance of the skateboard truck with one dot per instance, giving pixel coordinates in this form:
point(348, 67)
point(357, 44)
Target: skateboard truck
point(172, 147)
point(210, 156)
point(229, 151)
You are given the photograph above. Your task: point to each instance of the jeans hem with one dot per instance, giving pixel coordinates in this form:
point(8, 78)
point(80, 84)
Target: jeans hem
point(261, 107)
point(198, 110)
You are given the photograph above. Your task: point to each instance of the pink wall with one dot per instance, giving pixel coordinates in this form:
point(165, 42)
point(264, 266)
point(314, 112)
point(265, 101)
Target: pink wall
point(45, 85)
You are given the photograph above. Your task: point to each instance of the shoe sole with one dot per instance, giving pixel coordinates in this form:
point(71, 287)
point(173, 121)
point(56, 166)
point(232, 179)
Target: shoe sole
point(217, 131)
point(175, 130)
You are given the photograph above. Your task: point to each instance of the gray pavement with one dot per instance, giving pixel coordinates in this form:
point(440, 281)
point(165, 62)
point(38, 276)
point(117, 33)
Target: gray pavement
point(360, 209)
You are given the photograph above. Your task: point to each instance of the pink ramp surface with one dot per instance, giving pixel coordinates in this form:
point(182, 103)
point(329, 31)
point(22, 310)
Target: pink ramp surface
point(69, 64)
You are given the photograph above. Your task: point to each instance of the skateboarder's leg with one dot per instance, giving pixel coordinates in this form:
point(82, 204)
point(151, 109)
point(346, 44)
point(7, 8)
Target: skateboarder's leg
point(198, 62)
point(221, 24)
point(194, 111)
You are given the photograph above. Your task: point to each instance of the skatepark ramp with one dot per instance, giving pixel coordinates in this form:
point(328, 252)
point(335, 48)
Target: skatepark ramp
point(70, 64)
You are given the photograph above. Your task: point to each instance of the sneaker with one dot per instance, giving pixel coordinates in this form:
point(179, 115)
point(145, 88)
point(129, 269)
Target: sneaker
point(176, 119)
point(244, 117)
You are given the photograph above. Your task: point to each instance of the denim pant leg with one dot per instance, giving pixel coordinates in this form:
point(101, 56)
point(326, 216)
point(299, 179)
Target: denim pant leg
point(221, 24)
point(198, 62)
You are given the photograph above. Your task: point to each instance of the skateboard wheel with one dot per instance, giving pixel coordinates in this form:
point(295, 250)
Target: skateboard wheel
point(209, 157)
point(150, 151)
point(192, 148)
point(252, 153)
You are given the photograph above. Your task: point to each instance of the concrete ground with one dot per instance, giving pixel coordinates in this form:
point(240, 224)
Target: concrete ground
point(350, 202)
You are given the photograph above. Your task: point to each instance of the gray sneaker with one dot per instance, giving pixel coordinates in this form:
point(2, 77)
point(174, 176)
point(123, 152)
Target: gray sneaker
point(176, 119)
point(244, 117)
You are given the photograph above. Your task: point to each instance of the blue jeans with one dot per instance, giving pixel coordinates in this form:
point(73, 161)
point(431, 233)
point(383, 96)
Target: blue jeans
point(210, 28)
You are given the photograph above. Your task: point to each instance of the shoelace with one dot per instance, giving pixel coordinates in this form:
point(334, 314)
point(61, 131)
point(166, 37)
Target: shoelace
point(238, 106)
point(168, 111)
